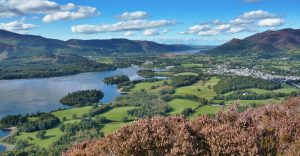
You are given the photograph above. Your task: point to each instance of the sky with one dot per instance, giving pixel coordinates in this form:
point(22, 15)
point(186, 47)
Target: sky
point(198, 22)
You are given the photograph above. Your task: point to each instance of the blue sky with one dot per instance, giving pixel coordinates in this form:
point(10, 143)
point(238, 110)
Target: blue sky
point(202, 22)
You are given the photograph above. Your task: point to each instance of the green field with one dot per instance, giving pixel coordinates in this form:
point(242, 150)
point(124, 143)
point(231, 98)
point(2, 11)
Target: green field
point(285, 89)
point(118, 113)
point(247, 102)
point(208, 109)
point(200, 89)
point(52, 135)
point(147, 86)
point(112, 127)
point(192, 65)
point(186, 73)
point(178, 105)
point(69, 112)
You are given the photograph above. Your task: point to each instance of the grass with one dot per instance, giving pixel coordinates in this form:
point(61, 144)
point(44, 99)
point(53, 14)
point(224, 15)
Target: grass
point(247, 102)
point(69, 112)
point(179, 105)
point(208, 109)
point(52, 135)
point(192, 65)
point(285, 89)
point(112, 127)
point(148, 85)
point(186, 73)
point(200, 89)
point(118, 113)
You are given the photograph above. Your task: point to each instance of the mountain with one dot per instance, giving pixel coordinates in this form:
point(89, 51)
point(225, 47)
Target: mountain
point(18, 45)
point(285, 41)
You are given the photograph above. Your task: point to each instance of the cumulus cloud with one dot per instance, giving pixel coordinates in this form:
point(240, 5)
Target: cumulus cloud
point(17, 26)
point(270, 22)
point(52, 10)
point(256, 14)
point(246, 22)
point(129, 33)
point(133, 15)
point(151, 32)
point(81, 12)
point(130, 25)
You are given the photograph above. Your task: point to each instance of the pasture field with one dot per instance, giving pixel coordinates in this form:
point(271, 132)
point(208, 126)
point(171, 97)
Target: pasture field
point(200, 89)
point(52, 135)
point(178, 105)
point(118, 113)
point(207, 109)
point(68, 113)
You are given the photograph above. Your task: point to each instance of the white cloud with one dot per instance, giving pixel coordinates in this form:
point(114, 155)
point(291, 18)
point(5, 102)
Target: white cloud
point(256, 14)
point(52, 10)
point(246, 22)
point(129, 33)
point(236, 29)
point(270, 22)
point(133, 15)
point(131, 25)
point(81, 12)
point(17, 26)
point(151, 32)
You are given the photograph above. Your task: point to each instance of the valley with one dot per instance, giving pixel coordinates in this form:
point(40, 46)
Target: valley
point(57, 100)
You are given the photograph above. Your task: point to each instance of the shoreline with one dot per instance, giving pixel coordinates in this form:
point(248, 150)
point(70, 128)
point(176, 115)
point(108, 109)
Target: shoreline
point(12, 131)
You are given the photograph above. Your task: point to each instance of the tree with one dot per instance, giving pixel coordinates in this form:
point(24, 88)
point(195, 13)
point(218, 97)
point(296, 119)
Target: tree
point(125, 119)
point(41, 134)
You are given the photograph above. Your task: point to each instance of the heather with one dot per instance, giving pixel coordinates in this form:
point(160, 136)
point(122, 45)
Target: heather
point(273, 129)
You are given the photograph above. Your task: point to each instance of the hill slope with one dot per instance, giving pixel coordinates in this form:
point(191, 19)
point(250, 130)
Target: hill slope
point(269, 130)
point(18, 45)
point(285, 41)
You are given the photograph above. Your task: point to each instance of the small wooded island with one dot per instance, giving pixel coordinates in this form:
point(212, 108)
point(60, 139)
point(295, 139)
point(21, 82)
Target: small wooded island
point(82, 98)
point(116, 79)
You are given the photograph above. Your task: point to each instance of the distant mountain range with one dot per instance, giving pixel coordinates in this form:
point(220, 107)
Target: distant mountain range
point(285, 41)
point(17, 45)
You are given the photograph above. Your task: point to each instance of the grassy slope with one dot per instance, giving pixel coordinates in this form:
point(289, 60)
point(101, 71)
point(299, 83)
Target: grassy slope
point(208, 109)
point(204, 92)
point(179, 105)
point(118, 113)
point(147, 86)
point(285, 89)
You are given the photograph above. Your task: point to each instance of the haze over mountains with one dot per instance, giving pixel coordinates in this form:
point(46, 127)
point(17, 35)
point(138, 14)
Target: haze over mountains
point(285, 41)
point(17, 45)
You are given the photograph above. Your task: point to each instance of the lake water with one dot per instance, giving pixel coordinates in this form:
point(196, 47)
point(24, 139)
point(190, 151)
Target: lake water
point(3, 134)
point(32, 95)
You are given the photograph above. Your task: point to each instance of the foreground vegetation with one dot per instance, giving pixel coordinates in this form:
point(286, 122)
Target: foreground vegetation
point(270, 130)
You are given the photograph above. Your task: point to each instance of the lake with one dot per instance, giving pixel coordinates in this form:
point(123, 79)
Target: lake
point(23, 96)
point(3, 134)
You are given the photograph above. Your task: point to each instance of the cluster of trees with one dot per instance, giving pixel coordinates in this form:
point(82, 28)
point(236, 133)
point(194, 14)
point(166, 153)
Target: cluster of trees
point(228, 84)
point(252, 132)
point(116, 79)
point(82, 98)
point(183, 80)
point(146, 73)
point(99, 110)
point(13, 120)
point(48, 66)
point(150, 104)
point(45, 121)
point(250, 95)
